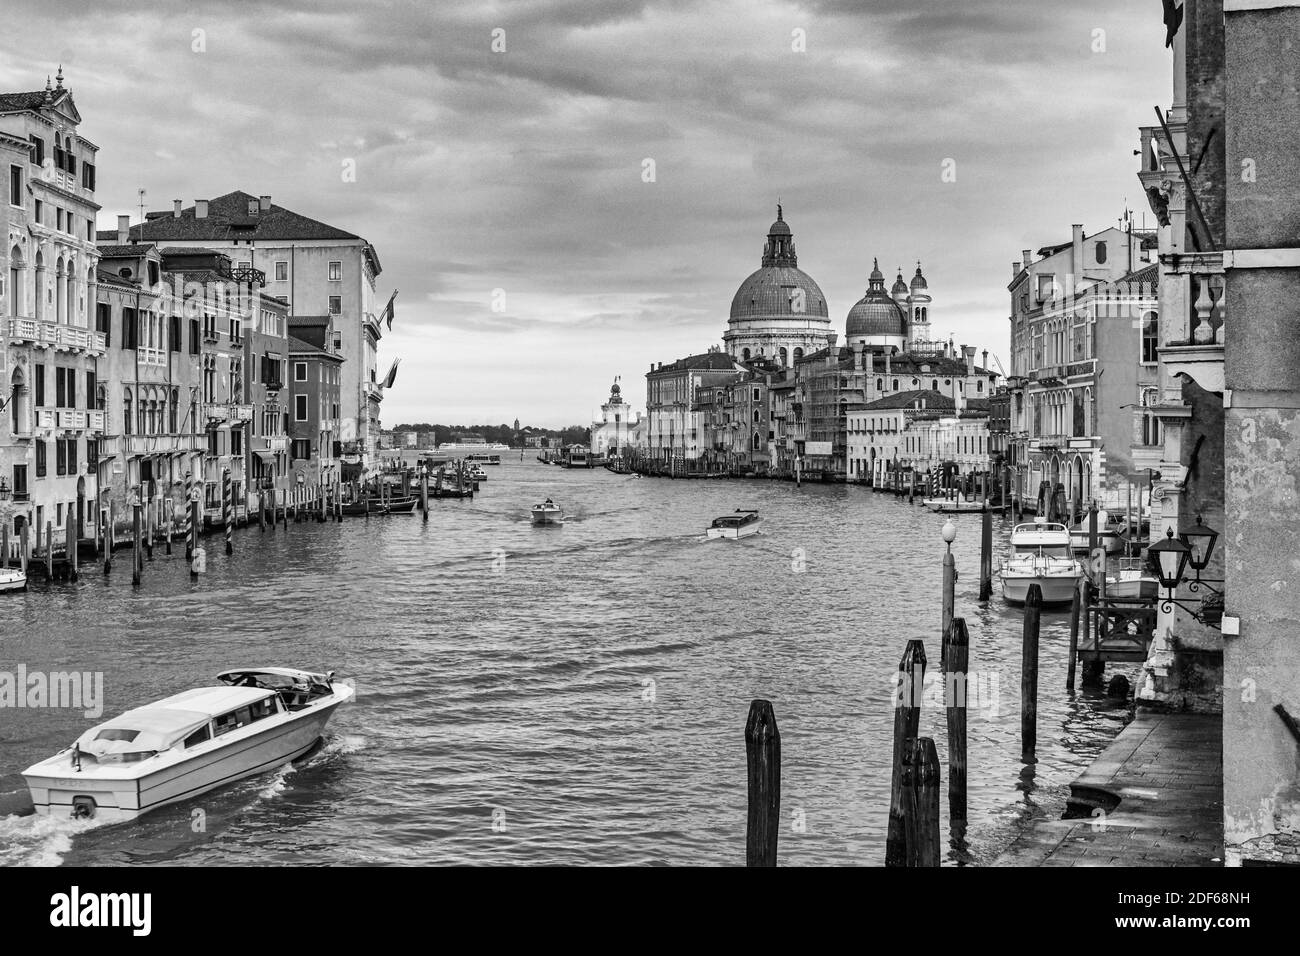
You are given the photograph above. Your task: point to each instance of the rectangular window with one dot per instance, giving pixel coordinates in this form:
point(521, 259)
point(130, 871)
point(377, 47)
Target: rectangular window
point(38, 150)
point(300, 408)
point(130, 329)
point(236, 441)
point(174, 333)
point(61, 387)
point(40, 212)
point(335, 271)
point(72, 456)
point(301, 448)
point(58, 219)
point(104, 320)
point(336, 305)
point(300, 371)
point(282, 272)
point(40, 459)
point(88, 176)
point(90, 389)
point(16, 186)
point(40, 385)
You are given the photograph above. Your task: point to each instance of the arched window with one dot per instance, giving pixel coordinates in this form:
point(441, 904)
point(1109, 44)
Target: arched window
point(1101, 253)
point(880, 385)
point(16, 269)
point(18, 402)
point(1151, 431)
point(744, 354)
point(758, 442)
point(176, 397)
point(126, 412)
point(756, 415)
point(798, 354)
point(979, 386)
point(895, 384)
point(785, 357)
point(40, 285)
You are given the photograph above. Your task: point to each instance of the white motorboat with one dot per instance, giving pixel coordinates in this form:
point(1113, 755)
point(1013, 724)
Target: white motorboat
point(477, 473)
point(13, 579)
point(1133, 582)
point(953, 505)
point(548, 512)
point(1110, 534)
point(739, 525)
point(1040, 554)
point(255, 720)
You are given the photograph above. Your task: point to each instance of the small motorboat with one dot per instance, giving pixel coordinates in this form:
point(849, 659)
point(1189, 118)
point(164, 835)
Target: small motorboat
point(1133, 583)
point(254, 720)
point(476, 472)
point(739, 525)
point(548, 512)
point(953, 505)
point(12, 579)
point(1040, 554)
point(403, 506)
point(1110, 534)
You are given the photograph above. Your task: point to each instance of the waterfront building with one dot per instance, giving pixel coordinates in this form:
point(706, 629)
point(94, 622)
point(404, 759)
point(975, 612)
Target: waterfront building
point(611, 434)
point(1083, 371)
point(49, 351)
point(317, 269)
point(879, 437)
point(315, 389)
point(778, 312)
point(675, 432)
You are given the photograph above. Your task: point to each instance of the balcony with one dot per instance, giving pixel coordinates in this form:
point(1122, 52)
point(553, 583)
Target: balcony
point(1195, 345)
point(153, 357)
point(159, 444)
point(215, 412)
point(42, 334)
point(70, 419)
point(277, 446)
point(1044, 442)
point(241, 413)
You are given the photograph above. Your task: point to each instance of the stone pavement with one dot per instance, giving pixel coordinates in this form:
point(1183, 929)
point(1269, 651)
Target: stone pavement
point(1153, 798)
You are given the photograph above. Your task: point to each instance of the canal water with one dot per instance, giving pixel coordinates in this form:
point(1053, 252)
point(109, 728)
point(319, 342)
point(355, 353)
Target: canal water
point(567, 695)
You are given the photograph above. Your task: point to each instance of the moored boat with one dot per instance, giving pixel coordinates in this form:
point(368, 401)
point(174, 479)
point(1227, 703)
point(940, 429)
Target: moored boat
point(1133, 582)
point(1040, 554)
point(12, 579)
point(255, 720)
point(739, 525)
point(953, 505)
point(1110, 534)
point(548, 512)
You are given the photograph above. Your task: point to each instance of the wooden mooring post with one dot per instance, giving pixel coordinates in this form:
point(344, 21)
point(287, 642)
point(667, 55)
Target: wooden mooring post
point(1029, 676)
point(196, 519)
point(763, 755)
point(169, 519)
point(907, 723)
point(149, 528)
point(137, 559)
point(24, 550)
point(1078, 612)
point(189, 517)
point(49, 550)
point(70, 543)
point(986, 554)
point(424, 493)
point(956, 660)
point(227, 510)
point(920, 782)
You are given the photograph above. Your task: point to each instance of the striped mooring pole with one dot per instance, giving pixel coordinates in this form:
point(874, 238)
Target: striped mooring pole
point(189, 518)
point(226, 512)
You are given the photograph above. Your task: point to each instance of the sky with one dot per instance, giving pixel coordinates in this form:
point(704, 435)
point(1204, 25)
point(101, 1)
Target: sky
point(500, 154)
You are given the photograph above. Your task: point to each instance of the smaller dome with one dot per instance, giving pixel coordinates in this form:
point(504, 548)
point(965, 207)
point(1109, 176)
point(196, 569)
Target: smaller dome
point(899, 284)
point(616, 390)
point(918, 280)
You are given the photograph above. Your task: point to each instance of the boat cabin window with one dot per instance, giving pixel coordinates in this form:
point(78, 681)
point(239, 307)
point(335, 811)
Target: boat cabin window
point(1045, 550)
point(117, 733)
point(198, 737)
point(244, 716)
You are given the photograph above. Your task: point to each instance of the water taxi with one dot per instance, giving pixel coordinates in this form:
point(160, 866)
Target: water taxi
point(739, 525)
point(13, 579)
point(548, 512)
point(1040, 554)
point(255, 720)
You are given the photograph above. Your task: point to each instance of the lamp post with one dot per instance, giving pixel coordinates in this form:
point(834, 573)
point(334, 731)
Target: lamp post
point(1168, 559)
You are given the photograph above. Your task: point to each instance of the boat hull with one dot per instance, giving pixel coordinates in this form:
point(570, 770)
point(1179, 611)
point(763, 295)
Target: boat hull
point(734, 533)
point(12, 579)
point(1111, 541)
point(1056, 589)
point(120, 799)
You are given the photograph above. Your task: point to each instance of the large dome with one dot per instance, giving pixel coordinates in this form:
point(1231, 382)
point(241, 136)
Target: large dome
point(876, 313)
point(770, 291)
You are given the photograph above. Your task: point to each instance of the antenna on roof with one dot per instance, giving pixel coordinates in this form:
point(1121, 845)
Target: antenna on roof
point(141, 191)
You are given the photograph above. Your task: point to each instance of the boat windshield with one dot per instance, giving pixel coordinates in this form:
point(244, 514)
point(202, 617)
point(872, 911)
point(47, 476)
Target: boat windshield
point(1044, 550)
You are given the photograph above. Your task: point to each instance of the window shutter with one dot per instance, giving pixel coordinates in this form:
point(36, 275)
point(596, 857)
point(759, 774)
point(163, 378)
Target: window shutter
point(90, 389)
point(40, 385)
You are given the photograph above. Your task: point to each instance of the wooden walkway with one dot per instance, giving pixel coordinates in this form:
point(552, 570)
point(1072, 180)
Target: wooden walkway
point(1153, 798)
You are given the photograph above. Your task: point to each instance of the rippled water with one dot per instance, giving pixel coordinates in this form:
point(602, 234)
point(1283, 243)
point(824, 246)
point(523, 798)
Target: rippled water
point(555, 695)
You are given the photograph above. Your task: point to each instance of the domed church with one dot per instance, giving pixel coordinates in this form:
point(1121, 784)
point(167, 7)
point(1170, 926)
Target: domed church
point(779, 312)
point(897, 320)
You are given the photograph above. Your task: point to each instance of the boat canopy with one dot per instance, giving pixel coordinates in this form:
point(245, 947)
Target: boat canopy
point(145, 729)
point(272, 677)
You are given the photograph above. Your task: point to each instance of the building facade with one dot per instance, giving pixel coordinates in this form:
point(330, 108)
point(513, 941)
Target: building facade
point(315, 390)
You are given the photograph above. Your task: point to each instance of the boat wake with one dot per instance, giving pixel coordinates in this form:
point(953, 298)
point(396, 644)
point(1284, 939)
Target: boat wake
point(35, 840)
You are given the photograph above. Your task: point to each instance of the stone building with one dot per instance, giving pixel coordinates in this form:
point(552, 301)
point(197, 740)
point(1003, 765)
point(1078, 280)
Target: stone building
point(612, 434)
point(675, 433)
point(49, 349)
point(317, 269)
point(314, 386)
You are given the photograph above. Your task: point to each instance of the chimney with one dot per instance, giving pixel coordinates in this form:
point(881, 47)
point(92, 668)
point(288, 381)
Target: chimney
point(123, 230)
point(1027, 256)
point(985, 363)
point(1076, 266)
point(1015, 269)
point(888, 351)
point(176, 209)
point(200, 209)
point(969, 352)
point(264, 203)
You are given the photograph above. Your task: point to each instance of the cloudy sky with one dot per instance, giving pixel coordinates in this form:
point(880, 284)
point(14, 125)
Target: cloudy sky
point(523, 170)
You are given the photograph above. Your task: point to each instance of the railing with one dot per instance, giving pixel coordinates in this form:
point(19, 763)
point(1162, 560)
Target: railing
point(110, 447)
point(155, 444)
point(241, 413)
point(1205, 296)
point(1053, 441)
point(150, 356)
point(277, 445)
point(70, 418)
point(215, 411)
point(44, 334)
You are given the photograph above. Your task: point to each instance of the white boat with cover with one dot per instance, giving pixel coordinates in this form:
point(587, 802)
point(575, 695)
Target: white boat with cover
point(13, 579)
point(1040, 554)
point(1110, 534)
point(255, 720)
point(739, 525)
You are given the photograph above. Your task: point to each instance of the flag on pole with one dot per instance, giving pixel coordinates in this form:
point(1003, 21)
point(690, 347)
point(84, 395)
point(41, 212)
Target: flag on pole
point(1173, 20)
point(388, 311)
point(392, 374)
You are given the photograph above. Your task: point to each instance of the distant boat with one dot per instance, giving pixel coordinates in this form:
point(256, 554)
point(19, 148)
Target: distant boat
point(403, 507)
point(548, 512)
point(477, 473)
point(1133, 583)
point(953, 505)
point(739, 525)
point(1110, 533)
point(12, 579)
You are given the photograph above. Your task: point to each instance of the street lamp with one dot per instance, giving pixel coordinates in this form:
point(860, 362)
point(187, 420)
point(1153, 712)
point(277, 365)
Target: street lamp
point(1169, 559)
point(1200, 541)
point(949, 533)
